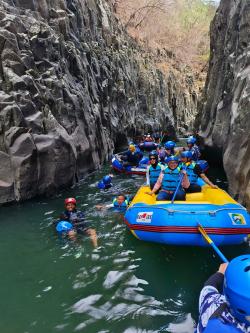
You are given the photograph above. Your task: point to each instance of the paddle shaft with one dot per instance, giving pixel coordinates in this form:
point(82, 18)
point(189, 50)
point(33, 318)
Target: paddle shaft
point(211, 243)
point(120, 153)
point(177, 188)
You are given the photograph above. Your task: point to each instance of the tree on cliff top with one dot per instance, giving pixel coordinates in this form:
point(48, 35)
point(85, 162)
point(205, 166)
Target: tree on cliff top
point(179, 26)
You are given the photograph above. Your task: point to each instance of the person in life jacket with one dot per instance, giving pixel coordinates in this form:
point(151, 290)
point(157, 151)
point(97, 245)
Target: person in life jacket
point(193, 148)
point(170, 150)
point(169, 181)
point(161, 153)
point(120, 203)
point(105, 183)
point(193, 171)
point(77, 219)
point(153, 170)
point(227, 312)
point(132, 156)
point(166, 151)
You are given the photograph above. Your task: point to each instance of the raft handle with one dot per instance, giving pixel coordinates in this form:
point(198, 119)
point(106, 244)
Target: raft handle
point(212, 213)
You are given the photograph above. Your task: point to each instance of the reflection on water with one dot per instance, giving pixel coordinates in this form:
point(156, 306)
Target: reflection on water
point(125, 285)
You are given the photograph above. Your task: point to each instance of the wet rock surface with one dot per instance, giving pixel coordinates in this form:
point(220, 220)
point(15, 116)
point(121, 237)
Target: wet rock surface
point(72, 84)
point(225, 117)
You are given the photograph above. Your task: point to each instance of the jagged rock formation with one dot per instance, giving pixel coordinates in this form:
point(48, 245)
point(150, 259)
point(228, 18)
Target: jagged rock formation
point(225, 117)
point(72, 86)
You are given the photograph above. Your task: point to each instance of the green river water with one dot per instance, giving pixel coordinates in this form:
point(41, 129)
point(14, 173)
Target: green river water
point(125, 285)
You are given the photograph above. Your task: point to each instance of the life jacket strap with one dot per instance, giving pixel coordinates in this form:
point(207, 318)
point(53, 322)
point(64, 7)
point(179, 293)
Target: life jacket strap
point(217, 313)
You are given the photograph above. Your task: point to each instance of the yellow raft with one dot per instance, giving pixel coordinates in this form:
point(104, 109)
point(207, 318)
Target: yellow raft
point(226, 221)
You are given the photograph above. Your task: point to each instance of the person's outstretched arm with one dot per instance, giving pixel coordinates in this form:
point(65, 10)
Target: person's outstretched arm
point(207, 181)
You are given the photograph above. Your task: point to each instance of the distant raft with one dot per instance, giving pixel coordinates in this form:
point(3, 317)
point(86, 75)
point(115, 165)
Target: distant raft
point(139, 170)
point(225, 220)
point(142, 167)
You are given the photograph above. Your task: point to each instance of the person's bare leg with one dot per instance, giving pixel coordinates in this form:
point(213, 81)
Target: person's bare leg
point(72, 234)
point(92, 234)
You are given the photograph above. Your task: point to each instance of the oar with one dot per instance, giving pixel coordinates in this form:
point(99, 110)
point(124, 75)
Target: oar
point(120, 153)
point(210, 242)
point(162, 136)
point(177, 188)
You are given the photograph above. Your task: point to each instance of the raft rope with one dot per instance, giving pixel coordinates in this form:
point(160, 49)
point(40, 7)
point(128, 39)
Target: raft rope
point(172, 211)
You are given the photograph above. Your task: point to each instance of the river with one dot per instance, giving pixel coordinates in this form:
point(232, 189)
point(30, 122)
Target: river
point(125, 285)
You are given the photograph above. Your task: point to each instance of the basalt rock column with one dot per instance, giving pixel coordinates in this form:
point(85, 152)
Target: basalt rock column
point(225, 116)
point(72, 82)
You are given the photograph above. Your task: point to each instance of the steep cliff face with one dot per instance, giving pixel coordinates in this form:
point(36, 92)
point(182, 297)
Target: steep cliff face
point(225, 117)
point(72, 85)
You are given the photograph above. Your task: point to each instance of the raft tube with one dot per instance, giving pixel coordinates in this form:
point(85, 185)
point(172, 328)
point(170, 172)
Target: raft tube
point(130, 170)
point(148, 145)
point(225, 221)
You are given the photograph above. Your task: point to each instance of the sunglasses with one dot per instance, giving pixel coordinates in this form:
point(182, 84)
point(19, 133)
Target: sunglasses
point(152, 158)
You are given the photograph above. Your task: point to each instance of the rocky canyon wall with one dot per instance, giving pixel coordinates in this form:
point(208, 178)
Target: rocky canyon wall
point(73, 84)
point(225, 117)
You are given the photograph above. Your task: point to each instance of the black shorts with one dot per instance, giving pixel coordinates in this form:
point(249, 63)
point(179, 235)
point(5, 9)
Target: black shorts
point(82, 227)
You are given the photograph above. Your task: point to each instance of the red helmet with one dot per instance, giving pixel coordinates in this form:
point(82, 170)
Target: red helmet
point(70, 200)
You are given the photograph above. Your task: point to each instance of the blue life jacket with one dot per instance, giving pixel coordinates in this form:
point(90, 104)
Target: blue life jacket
point(75, 216)
point(124, 205)
point(215, 325)
point(134, 157)
point(192, 176)
point(222, 321)
point(154, 174)
point(171, 179)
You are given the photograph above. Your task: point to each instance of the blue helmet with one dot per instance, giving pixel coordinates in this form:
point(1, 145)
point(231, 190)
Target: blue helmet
point(191, 140)
point(153, 153)
point(237, 287)
point(144, 160)
point(107, 180)
point(101, 185)
point(170, 145)
point(172, 158)
point(63, 226)
point(187, 154)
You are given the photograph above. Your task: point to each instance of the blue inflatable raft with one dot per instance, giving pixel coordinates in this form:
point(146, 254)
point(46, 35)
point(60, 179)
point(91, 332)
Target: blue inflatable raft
point(139, 170)
point(226, 221)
